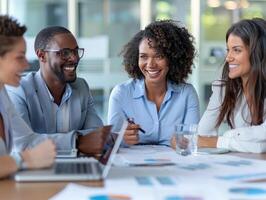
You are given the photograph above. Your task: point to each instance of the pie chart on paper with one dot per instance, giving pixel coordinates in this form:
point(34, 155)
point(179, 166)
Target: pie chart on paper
point(110, 197)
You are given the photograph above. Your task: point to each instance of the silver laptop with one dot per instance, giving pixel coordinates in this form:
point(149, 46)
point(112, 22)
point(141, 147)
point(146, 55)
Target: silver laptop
point(77, 169)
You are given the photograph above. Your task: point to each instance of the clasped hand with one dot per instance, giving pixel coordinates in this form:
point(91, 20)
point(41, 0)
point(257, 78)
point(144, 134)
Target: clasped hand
point(93, 142)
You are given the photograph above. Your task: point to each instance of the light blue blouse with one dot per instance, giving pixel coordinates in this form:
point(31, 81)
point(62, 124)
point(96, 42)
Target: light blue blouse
point(129, 99)
point(5, 147)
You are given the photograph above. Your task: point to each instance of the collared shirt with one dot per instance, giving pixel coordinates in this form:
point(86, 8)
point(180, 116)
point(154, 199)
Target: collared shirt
point(243, 137)
point(62, 123)
point(129, 100)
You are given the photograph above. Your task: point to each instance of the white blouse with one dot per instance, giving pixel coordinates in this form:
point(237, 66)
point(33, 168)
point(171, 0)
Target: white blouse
point(243, 138)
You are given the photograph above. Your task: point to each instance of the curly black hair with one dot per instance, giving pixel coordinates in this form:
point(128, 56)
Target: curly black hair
point(172, 41)
point(10, 31)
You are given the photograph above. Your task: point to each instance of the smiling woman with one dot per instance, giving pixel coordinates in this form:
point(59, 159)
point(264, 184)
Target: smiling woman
point(239, 97)
point(159, 60)
point(238, 58)
point(12, 64)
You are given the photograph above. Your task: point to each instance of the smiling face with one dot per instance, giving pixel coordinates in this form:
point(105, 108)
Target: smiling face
point(13, 63)
point(153, 65)
point(58, 68)
point(238, 58)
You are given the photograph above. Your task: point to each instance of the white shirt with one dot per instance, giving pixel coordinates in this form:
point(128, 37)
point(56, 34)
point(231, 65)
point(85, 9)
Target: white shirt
point(244, 137)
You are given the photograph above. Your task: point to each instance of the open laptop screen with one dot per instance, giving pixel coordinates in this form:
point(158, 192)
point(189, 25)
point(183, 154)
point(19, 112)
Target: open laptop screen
point(74, 169)
point(111, 147)
point(108, 148)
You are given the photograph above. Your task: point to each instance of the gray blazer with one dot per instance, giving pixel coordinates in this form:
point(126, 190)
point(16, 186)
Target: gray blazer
point(32, 101)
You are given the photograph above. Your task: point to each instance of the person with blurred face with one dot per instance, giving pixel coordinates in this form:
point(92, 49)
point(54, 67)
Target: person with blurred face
point(53, 101)
point(159, 60)
point(238, 99)
point(12, 63)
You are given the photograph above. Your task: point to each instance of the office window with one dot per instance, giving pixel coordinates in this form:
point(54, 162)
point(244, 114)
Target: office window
point(117, 20)
point(37, 14)
point(104, 26)
point(255, 8)
point(216, 18)
point(172, 9)
point(98, 97)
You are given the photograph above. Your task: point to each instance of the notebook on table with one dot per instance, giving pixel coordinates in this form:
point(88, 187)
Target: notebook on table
point(77, 169)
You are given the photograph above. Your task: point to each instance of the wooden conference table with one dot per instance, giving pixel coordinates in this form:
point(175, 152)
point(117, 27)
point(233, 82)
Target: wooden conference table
point(11, 190)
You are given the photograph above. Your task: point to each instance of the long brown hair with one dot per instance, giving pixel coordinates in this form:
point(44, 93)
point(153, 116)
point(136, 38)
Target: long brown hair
point(253, 34)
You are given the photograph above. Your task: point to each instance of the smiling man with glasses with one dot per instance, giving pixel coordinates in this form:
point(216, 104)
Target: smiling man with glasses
point(54, 101)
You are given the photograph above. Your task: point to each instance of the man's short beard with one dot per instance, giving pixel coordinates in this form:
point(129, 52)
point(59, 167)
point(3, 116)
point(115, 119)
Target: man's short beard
point(59, 73)
point(71, 81)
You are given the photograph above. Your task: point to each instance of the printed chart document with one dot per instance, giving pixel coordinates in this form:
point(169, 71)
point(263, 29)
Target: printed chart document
point(153, 189)
point(79, 192)
point(146, 155)
point(201, 177)
point(133, 189)
point(223, 167)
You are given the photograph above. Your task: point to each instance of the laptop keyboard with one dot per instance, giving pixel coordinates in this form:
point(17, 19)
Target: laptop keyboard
point(75, 168)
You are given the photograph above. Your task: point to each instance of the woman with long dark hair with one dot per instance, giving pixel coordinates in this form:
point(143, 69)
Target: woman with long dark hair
point(238, 99)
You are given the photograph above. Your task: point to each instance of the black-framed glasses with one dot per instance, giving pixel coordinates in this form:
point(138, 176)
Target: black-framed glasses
point(67, 53)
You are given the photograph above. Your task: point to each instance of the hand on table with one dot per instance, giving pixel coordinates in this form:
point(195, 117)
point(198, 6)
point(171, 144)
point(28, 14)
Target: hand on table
point(40, 156)
point(93, 142)
point(182, 142)
point(207, 141)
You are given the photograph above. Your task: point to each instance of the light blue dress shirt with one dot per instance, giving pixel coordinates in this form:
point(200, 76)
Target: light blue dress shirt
point(36, 106)
point(3, 150)
point(5, 147)
point(129, 100)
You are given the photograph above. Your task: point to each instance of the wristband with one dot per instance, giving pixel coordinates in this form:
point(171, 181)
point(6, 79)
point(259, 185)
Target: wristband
point(78, 135)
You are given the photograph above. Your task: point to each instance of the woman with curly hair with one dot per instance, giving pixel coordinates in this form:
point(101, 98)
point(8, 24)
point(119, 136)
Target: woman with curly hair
point(238, 99)
point(12, 64)
point(158, 59)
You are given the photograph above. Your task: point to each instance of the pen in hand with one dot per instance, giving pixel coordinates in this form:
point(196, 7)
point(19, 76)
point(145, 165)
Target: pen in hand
point(131, 121)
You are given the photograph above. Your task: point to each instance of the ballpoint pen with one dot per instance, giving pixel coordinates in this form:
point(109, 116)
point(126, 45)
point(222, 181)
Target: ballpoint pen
point(131, 121)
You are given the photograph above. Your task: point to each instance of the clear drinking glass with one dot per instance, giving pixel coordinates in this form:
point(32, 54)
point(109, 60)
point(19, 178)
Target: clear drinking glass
point(186, 139)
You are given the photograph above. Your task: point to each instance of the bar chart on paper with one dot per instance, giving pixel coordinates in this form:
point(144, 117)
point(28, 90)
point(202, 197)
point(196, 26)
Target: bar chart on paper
point(247, 191)
point(158, 181)
point(250, 191)
point(109, 197)
point(182, 198)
